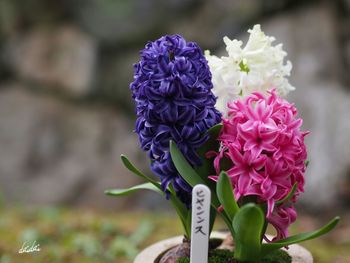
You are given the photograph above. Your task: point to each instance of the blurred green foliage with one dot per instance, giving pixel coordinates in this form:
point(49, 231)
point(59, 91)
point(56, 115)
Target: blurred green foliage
point(77, 235)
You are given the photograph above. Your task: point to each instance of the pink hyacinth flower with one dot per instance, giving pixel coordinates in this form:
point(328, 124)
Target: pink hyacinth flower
point(262, 140)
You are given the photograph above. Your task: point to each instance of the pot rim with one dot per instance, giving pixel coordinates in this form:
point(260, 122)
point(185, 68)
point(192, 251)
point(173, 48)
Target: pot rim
point(298, 253)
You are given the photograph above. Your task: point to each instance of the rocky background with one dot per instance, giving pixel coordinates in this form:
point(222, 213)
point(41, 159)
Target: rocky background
point(65, 108)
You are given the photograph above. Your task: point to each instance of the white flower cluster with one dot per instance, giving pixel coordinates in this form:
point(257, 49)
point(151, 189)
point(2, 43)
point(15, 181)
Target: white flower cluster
point(258, 66)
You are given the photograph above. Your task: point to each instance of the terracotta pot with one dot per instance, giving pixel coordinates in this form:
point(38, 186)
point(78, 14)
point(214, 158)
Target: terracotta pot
point(153, 253)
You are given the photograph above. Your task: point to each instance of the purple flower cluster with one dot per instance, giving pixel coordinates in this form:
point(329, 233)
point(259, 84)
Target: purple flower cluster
point(172, 91)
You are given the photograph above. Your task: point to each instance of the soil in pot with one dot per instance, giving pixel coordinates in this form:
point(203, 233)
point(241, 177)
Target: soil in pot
point(181, 254)
point(226, 256)
point(183, 251)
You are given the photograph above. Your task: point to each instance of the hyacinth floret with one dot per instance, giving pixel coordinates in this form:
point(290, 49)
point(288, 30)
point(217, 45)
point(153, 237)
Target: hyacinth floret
point(257, 66)
point(264, 146)
point(172, 92)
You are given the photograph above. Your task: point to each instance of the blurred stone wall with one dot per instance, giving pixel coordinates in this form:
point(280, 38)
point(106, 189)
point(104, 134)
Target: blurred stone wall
point(65, 108)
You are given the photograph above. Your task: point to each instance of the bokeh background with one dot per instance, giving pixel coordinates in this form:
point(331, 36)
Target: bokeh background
point(66, 115)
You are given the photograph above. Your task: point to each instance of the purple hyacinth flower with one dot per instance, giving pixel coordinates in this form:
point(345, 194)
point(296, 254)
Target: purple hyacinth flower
point(172, 92)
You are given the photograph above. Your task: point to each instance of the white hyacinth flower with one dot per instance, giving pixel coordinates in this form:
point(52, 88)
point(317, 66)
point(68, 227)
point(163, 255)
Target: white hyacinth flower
point(258, 66)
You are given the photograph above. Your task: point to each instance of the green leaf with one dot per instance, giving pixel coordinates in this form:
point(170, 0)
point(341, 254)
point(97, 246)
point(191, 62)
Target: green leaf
point(183, 167)
point(212, 218)
point(267, 248)
point(207, 167)
point(212, 144)
point(224, 192)
point(179, 207)
point(136, 171)
point(248, 225)
point(289, 196)
point(182, 211)
point(192, 178)
point(145, 186)
point(188, 222)
point(187, 172)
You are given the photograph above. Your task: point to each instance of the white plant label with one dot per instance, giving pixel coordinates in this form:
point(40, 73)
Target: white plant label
point(200, 224)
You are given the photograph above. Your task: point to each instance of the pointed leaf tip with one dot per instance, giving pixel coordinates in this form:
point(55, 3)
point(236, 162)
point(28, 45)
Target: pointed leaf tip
point(267, 248)
point(128, 165)
point(145, 186)
point(183, 167)
point(224, 192)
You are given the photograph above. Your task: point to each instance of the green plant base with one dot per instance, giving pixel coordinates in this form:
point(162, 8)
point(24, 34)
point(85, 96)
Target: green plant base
point(153, 253)
point(226, 256)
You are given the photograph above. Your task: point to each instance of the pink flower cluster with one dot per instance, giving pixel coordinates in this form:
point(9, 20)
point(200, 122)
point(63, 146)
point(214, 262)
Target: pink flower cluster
point(262, 142)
